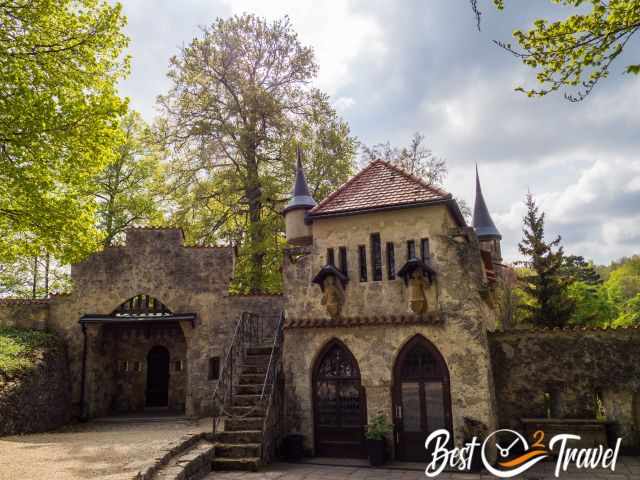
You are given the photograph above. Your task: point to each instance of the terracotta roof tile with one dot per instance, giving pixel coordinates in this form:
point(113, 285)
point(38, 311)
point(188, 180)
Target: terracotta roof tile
point(379, 185)
point(432, 318)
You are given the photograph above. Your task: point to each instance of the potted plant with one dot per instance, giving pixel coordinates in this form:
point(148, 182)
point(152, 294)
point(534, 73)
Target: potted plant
point(376, 431)
point(474, 428)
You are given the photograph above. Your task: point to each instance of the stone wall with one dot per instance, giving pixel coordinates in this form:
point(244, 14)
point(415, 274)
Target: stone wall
point(38, 400)
point(571, 366)
point(27, 313)
point(186, 279)
point(456, 299)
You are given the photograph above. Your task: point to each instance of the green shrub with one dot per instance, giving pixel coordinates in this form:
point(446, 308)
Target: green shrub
point(19, 349)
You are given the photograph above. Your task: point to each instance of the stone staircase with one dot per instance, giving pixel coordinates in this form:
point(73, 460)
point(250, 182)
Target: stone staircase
point(239, 446)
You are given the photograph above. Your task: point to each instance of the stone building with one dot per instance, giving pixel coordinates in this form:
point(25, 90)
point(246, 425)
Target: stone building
point(388, 309)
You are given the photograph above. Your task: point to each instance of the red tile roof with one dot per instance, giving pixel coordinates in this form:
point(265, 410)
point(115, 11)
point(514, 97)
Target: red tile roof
point(379, 185)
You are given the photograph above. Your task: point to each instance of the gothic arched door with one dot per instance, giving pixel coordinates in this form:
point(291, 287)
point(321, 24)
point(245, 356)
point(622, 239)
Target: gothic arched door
point(158, 377)
point(421, 399)
point(338, 404)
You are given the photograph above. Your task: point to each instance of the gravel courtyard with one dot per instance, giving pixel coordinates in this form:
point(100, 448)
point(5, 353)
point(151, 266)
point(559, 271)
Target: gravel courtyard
point(108, 449)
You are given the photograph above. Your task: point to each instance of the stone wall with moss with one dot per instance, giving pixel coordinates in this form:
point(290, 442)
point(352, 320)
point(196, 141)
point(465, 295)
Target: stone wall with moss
point(561, 373)
point(376, 321)
point(24, 313)
point(35, 393)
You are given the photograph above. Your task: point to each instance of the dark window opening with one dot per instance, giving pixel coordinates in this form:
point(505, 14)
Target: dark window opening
point(362, 256)
point(330, 257)
point(137, 367)
point(391, 261)
point(600, 410)
point(342, 251)
point(411, 249)
point(376, 257)
point(425, 253)
point(178, 366)
point(214, 368)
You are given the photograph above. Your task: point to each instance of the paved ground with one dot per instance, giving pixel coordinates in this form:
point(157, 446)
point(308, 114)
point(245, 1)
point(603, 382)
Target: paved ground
point(628, 469)
point(106, 449)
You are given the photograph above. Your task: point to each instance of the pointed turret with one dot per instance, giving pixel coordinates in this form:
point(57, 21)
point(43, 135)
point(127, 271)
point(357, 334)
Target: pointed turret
point(298, 230)
point(488, 234)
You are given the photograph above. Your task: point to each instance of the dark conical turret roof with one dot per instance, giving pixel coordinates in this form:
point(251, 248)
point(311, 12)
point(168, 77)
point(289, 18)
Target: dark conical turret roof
point(300, 196)
point(482, 221)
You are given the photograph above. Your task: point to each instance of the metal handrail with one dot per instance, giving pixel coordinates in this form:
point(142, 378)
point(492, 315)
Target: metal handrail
point(273, 407)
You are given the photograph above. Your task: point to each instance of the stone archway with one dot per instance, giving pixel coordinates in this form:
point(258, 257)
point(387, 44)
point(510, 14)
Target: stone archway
point(421, 397)
point(338, 403)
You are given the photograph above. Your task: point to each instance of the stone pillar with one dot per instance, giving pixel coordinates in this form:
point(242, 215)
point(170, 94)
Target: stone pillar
point(187, 330)
point(93, 334)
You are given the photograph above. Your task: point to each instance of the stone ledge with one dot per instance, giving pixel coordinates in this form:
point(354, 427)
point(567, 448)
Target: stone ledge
point(182, 445)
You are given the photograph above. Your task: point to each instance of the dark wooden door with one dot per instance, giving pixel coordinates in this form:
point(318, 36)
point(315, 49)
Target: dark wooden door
point(338, 404)
point(421, 399)
point(158, 377)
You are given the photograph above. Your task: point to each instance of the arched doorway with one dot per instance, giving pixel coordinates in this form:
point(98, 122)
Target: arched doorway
point(157, 394)
point(338, 404)
point(421, 398)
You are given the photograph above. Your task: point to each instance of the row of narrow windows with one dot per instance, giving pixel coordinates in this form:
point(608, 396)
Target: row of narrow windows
point(552, 404)
point(375, 246)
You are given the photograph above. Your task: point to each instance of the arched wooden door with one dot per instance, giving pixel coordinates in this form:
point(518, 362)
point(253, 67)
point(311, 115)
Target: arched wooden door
point(421, 398)
point(158, 377)
point(338, 404)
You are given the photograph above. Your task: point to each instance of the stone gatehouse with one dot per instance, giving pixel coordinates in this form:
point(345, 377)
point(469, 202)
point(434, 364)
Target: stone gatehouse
point(388, 308)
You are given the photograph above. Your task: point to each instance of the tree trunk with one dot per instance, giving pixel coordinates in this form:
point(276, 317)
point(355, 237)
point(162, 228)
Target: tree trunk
point(47, 262)
point(34, 278)
point(256, 234)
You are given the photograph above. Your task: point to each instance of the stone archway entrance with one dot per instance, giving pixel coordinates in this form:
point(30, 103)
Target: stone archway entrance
point(338, 404)
point(421, 398)
point(157, 392)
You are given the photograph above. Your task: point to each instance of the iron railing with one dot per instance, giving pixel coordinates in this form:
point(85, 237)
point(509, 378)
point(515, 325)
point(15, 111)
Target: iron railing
point(251, 330)
point(272, 397)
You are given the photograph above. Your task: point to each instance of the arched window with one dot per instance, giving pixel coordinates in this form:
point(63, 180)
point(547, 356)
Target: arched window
point(141, 306)
point(339, 404)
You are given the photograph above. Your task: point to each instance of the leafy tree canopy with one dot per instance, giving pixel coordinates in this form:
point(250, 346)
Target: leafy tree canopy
point(575, 53)
point(60, 61)
point(240, 99)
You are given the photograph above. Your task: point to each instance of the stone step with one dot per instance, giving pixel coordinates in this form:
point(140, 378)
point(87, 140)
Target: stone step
point(193, 463)
point(251, 389)
point(240, 436)
point(245, 400)
point(245, 423)
point(256, 360)
point(247, 411)
point(236, 464)
point(238, 450)
point(248, 368)
point(250, 378)
point(259, 351)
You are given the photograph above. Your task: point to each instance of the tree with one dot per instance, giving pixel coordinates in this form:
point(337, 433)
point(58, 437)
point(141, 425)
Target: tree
point(129, 189)
point(623, 288)
point(577, 268)
point(579, 50)
point(416, 159)
point(33, 277)
point(592, 304)
point(60, 62)
point(546, 285)
point(240, 97)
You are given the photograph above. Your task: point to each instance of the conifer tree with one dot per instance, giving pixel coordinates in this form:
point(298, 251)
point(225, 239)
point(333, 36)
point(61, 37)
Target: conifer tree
point(552, 306)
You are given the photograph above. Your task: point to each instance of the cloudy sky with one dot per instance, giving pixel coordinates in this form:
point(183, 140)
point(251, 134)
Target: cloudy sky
point(393, 68)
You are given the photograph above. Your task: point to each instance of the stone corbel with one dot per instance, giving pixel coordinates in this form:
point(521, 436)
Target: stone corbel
point(332, 283)
point(418, 277)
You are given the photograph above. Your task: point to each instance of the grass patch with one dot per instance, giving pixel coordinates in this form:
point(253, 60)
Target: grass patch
point(19, 349)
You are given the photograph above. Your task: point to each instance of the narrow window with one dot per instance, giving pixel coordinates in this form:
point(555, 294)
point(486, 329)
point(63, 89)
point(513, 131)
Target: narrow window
point(376, 257)
point(343, 261)
point(362, 256)
point(137, 367)
point(391, 261)
point(124, 365)
point(601, 412)
point(411, 249)
point(547, 404)
point(178, 366)
point(425, 253)
point(214, 368)
point(330, 257)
